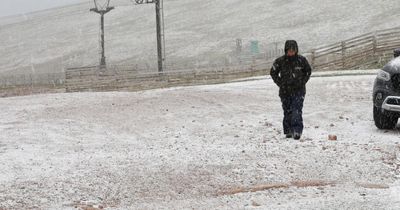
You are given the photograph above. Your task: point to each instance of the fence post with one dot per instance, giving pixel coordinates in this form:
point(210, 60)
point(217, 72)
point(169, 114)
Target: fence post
point(253, 63)
point(239, 45)
point(374, 45)
point(48, 79)
point(31, 79)
point(343, 54)
point(312, 58)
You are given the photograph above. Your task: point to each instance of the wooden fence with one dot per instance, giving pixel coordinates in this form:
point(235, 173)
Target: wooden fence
point(371, 50)
point(110, 79)
point(31, 79)
point(368, 50)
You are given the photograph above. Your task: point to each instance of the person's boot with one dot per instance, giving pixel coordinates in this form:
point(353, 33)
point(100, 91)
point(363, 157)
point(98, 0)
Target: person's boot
point(297, 136)
point(289, 135)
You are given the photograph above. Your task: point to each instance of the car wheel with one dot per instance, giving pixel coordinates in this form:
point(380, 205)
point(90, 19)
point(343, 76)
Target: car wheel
point(384, 119)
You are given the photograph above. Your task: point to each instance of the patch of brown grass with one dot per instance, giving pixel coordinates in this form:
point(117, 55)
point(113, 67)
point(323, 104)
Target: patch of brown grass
point(311, 183)
point(257, 188)
point(254, 188)
point(29, 90)
point(373, 186)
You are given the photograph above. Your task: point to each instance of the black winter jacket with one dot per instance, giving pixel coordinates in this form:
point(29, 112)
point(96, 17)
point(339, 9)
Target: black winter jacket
point(291, 73)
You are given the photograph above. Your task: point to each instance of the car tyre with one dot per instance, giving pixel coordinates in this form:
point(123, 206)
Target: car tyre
point(384, 119)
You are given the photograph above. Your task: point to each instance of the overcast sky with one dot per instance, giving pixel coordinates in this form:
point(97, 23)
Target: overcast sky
point(14, 7)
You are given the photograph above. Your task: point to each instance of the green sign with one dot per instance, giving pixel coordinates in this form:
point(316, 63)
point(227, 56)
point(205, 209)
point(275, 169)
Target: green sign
point(254, 47)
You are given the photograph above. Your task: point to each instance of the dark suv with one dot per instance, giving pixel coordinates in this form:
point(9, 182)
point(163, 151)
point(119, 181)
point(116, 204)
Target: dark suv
point(386, 94)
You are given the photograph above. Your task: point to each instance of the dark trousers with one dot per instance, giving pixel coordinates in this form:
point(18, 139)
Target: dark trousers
point(293, 112)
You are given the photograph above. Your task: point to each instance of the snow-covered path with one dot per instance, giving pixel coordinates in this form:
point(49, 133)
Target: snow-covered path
point(198, 147)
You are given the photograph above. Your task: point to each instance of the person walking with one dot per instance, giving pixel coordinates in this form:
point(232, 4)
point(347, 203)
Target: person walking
point(291, 73)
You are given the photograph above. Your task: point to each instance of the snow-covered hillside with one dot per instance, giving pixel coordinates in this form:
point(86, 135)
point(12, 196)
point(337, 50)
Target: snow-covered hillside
point(197, 147)
point(195, 30)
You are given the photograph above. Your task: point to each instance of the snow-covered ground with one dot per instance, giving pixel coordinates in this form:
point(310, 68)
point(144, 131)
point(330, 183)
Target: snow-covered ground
point(200, 147)
point(205, 30)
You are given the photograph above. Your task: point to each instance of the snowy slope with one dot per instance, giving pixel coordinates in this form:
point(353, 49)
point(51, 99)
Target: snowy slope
point(192, 147)
point(195, 30)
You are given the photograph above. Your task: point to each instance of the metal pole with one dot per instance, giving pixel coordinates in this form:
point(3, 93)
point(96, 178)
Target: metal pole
point(102, 13)
point(103, 58)
point(159, 39)
point(163, 36)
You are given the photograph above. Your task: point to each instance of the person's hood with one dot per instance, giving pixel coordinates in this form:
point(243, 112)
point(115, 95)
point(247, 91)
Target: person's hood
point(396, 52)
point(291, 44)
